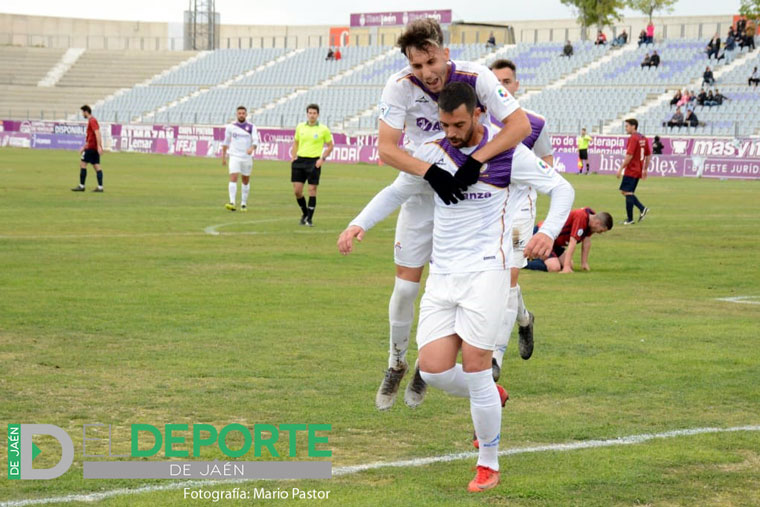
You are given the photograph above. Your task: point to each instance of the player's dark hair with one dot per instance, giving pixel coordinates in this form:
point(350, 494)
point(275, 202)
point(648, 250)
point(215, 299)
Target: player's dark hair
point(606, 219)
point(633, 122)
point(312, 106)
point(86, 109)
point(241, 107)
point(455, 94)
point(503, 63)
point(420, 34)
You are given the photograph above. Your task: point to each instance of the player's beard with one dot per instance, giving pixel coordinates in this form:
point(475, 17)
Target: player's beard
point(460, 142)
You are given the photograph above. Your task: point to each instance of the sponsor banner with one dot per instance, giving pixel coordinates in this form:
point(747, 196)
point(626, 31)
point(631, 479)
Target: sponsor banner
point(397, 18)
point(682, 157)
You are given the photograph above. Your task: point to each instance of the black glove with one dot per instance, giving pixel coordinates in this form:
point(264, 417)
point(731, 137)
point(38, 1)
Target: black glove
point(469, 172)
point(444, 185)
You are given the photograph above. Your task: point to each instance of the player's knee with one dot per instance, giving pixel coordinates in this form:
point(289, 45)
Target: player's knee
point(403, 298)
point(553, 265)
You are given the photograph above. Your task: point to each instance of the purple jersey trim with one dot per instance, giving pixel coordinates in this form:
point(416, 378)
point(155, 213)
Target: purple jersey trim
point(499, 168)
point(245, 126)
point(537, 125)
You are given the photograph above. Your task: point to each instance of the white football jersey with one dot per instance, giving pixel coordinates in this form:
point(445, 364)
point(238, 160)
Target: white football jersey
point(239, 137)
point(476, 234)
point(407, 104)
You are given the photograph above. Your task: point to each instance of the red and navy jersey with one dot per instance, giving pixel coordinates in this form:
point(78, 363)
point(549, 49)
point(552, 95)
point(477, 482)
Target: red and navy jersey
point(576, 227)
point(91, 142)
point(638, 148)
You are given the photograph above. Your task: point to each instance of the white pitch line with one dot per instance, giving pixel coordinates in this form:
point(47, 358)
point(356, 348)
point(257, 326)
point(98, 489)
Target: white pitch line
point(416, 462)
point(741, 300)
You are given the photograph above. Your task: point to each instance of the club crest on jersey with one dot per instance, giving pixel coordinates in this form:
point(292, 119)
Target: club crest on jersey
point(580, 232)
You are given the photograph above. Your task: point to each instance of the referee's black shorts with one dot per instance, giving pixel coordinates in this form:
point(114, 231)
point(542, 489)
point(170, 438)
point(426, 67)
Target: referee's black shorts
point(305, 169)
point(583, 154)
point(91, 157)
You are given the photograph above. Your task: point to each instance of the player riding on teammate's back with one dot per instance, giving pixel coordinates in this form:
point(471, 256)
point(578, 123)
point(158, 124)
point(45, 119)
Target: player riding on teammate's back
point(409, 106)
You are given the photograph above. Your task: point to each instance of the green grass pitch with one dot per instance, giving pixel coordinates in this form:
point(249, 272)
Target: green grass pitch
point(118, 308)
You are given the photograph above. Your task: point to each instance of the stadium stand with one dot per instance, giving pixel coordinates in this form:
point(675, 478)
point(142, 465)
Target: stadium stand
point(94, 76)
point(595, 88)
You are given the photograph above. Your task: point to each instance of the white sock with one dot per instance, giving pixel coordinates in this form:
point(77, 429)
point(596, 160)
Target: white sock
point(244, 197)
point(485, 408)
point(452, 381)
point(523, 318)
point(503, 341)
point(401, 316)
point(233, 191)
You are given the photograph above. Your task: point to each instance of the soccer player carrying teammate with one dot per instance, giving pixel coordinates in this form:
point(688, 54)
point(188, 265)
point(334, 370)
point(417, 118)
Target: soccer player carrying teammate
point(579, 227)
point(308, 156)
point(464, 306)
point(540, 142)
point(91, 151)
point(634, 167)
point(583, 142)
point(241, 139)
point(408, 106)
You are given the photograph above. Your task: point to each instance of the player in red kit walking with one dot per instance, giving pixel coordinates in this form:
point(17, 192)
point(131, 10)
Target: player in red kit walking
point(91, 151)
point(634, 167)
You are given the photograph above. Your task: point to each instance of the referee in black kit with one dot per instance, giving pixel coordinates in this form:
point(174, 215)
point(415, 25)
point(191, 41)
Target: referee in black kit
point(309, 154)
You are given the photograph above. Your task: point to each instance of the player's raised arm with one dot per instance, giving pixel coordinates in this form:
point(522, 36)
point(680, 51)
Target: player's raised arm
point(383, 204)
point(390, 153)
point(501, 104)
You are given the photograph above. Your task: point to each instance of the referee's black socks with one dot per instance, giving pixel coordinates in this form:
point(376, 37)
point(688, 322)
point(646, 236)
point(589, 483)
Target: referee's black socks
point(312, 206)
point(302, 203)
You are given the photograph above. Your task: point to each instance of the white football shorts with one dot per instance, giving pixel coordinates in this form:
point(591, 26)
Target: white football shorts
point(240, 165)
point(471, 305)
point(522, 231)
point(413, 244)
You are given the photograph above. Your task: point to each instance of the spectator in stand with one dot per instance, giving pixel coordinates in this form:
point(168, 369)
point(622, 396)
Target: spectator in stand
point(657, 146)
point(754, 78)
point(713, 47)
point(749, 35)
point(730, 40)
point(567, 50)
point(702, 97)
point(719, 98)
point(620, 40)
point(684, 99)
point(676, 120)
point(708, 77)
point(676, 98)
point(647, 61)
point(655, 61)
point(338, 56)
point(642, 37)
point(601, 39)
point(709, 100)
point(650, 33)
point(691, 119)
point(741, 25)
point(330, 54)
point(491, 42)
point(746, 35)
